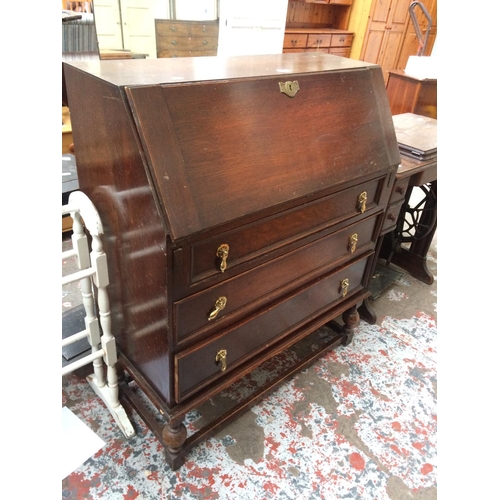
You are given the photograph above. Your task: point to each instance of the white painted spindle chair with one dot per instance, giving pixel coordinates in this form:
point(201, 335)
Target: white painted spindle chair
point(93, 270)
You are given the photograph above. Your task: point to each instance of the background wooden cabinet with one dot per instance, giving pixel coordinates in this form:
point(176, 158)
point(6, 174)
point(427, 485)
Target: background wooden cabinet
point(186, 38)
point(390, 36)
point(318, 26)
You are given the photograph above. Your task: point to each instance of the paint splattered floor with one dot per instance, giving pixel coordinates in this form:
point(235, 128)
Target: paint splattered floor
point(360, 423)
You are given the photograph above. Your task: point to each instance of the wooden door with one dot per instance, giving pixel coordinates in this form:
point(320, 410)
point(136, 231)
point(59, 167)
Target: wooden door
point(385, 33)
point(108, 24)
point(138, 26)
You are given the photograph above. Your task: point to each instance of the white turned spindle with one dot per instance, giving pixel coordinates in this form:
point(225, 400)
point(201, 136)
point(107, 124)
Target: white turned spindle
point(94, 279)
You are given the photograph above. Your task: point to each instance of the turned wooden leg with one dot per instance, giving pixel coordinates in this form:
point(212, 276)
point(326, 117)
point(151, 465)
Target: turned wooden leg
point(351, 321)
point(174, 435)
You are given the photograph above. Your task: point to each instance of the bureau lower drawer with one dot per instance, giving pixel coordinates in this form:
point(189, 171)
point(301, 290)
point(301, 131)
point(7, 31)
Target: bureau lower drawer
point(206, 362)
point(266, 235)
point(254, 287)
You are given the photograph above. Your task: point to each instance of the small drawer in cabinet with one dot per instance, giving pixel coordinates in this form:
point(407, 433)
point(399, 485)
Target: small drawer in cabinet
point(339, 51)
point(212, 359)
point(294, 41)
point(399, 189)
point(341, 40)
point(391, 216)
point(320, 40)
point(208, 257)
point(206, 310)
point(165, 28)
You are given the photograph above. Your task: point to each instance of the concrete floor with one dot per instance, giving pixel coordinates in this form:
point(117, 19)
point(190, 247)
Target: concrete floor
point(359, 423)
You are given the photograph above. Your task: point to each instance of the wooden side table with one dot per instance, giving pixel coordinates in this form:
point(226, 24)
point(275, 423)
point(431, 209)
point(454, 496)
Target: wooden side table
point(409, 94)
point(411, 174)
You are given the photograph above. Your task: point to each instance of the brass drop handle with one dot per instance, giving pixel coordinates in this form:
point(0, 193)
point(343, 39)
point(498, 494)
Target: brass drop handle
point(223, 254)
point(221, 358)
point(344, 285)
point(353, 240)
point(220, 303)
point(362, 199)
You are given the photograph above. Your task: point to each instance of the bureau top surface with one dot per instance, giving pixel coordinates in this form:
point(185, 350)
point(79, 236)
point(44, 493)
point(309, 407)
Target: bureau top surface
point(135, 72)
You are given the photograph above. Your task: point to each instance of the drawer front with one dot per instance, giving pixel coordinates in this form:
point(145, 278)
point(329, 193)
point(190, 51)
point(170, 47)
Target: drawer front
point(169, 29)
point(320, 40)
point(341, 40)
point(173, 43)
point(262, 237)
point(399, 190)
point(266, 282)
point(339, 51)
point(391, 216)
point(295, 41)
point(187, 53)
point(325, 50)
point(197, 366)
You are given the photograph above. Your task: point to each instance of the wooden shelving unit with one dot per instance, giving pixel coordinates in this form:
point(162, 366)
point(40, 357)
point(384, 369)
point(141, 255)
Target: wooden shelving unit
point(318, 26)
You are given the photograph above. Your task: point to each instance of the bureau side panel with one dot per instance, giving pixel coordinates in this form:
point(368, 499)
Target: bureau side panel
point(111, 173)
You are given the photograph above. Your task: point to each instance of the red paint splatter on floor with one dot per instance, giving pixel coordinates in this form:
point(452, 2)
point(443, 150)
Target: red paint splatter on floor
point(349, 389)
point(396, 426)
point(396, 449)
point(426, 468)
point(357, 461)
point(131, 494)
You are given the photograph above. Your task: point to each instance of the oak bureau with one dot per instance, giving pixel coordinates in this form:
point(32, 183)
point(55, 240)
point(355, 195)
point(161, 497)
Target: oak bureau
point(241, 200)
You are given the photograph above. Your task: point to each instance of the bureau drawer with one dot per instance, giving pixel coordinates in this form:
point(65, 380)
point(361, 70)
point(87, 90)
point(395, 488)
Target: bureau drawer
point(320, 40)
point(254, 287)
point(267, 235)
point(294, 41)
point(341, 40)
point(197, 366)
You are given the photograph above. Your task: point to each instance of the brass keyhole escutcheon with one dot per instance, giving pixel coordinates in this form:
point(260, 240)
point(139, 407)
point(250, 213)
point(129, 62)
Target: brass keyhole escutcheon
point(344, 285)
point(220, 303)
point(353, 241)
point(221, 358)
point(289, 88)
point(362, 199)
point(223, 254)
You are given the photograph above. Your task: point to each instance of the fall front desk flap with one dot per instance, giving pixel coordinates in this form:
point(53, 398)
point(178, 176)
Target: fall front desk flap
point(221, 138)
